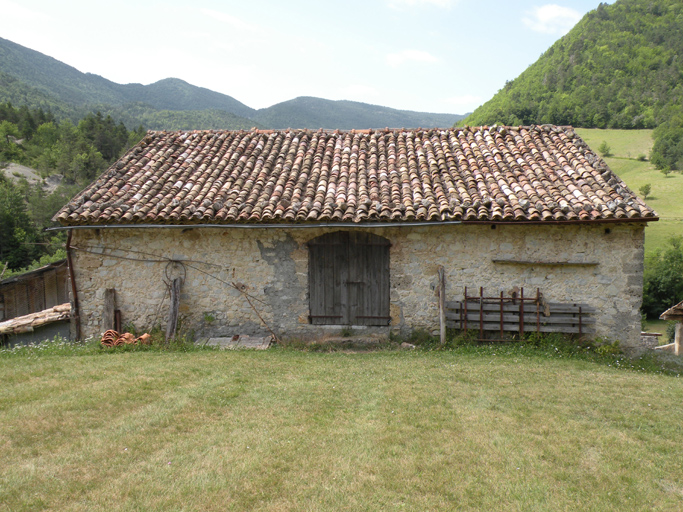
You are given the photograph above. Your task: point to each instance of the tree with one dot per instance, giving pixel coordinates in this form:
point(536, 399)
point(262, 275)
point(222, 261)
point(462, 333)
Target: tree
point(667, 151)
point(18, 236)
point(605, 149)
point(645, 190)
point(107, 137)
point(10, 151)
point(663, 278)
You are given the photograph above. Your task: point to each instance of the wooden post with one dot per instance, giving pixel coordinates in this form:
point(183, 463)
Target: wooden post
point(481, 313)
point(465, 309)
point(442, 305)
point(109, 308)
point(117, 320)
point(678, 339)
point(173, 309)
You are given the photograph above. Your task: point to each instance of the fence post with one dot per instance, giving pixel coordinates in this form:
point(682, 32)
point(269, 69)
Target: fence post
point(442, 304)
point(109, 310)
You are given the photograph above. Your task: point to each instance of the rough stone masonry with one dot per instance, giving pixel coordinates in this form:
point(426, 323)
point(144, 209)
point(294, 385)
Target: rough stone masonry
point(599, 264)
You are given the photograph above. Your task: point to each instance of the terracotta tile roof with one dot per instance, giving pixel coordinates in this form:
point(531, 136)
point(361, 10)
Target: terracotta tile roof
point(28, 323)
point(673, 313)
point(519, 174)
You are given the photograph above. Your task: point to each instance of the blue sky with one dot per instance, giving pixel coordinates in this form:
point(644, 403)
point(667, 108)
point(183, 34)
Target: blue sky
point(426, 55)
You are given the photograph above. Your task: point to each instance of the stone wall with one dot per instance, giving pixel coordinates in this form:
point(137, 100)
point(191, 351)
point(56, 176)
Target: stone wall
point(605, 270)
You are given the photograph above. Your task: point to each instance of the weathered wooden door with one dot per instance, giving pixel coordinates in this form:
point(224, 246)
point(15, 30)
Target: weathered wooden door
point(349, 279)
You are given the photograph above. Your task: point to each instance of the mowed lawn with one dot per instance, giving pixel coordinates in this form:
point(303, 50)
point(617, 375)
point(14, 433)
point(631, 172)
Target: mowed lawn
point(479, 428)
point(667, 191)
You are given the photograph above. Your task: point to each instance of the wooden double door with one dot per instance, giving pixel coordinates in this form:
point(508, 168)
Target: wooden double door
point(348, 275)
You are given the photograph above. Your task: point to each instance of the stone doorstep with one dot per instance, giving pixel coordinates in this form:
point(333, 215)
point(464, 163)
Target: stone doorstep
point(237, 341)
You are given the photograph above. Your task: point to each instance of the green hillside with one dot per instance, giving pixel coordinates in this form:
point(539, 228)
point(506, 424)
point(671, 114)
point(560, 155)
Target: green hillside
point(176, 94)
point(619, 67)
point(134, 114)
point(308, 112)
point(17, 92)
point(666, 190)
point(67, 84)
point(35, 80)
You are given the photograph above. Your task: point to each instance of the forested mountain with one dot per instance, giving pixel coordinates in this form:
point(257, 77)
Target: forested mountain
point(17, 92)
point(308, 112)
point(67, 84)
point(30, 78)
point(621, 66)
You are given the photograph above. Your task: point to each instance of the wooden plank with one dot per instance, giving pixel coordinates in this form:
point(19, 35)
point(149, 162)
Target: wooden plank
point(50, 281)
point(10, 303)
point(339, 257)
point(548, 263)
point(108, 315)
point(174, 307)
point(357, 281)
point(508, 306)
point(368, 280)
point(21, 299)
point(36, 294)
point(326, 296)
point(442, 305)
point(495, 327)
point(570, 307)
point(384, 284)
point(529, 318)
point(62, 285)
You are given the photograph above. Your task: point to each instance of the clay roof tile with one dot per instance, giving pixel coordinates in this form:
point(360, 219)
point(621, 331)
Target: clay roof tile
point(473, 174)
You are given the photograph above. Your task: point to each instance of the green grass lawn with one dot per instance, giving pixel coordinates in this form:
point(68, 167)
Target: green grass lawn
point(660, 326)
point(476, 428)
point(666, 197)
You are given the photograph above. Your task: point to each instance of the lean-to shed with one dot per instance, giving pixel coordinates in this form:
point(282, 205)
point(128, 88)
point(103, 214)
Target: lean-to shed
point(301, 232)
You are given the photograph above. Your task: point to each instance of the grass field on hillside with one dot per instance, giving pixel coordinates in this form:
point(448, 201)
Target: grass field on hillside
point(477, 428)
point(666, 197)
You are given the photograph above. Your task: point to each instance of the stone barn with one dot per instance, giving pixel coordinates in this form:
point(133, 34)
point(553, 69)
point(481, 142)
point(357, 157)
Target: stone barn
point(302, 233)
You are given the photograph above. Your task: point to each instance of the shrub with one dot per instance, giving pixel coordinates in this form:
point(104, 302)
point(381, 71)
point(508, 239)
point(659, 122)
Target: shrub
point(671, 331)
point(667, 151)
point(663, 278)
point(607, 347)
point(605, 149)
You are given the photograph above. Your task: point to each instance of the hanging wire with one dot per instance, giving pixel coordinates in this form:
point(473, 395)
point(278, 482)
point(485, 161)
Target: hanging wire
point(172, 263)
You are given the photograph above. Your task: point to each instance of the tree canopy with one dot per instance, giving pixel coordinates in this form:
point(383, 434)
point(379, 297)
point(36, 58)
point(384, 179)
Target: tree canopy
point(619, 67)
point(32, 137)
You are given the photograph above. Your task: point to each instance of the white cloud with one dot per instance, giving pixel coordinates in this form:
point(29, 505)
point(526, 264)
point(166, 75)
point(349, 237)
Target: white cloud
point(551, 19)
point(445, 4)
point(396, 59)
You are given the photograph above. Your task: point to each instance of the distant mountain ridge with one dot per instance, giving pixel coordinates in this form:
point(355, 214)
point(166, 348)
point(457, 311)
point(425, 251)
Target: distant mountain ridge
point(310, 112)
point(32, 78)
